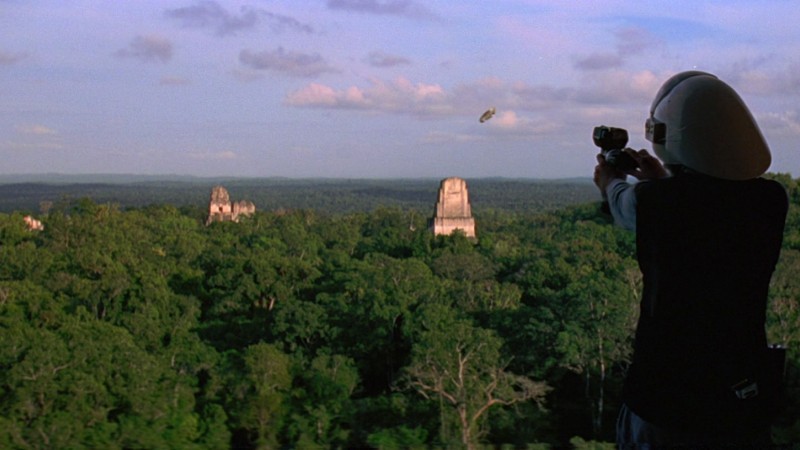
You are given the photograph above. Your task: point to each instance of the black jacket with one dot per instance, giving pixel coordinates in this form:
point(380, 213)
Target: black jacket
point(707, 249)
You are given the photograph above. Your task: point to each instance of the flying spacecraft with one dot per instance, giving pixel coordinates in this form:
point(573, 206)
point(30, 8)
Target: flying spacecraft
point(487, 115)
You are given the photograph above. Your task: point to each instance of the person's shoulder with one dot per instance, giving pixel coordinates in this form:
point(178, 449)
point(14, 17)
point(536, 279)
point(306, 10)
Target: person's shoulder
point(772, 187)
point(769, 182)
point(648, 187)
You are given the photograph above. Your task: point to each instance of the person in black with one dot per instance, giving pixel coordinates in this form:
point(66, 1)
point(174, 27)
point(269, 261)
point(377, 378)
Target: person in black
point(708, 235)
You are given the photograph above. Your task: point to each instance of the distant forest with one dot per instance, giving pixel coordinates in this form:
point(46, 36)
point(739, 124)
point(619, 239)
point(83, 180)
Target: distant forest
point(133, 325)
point(272, 194)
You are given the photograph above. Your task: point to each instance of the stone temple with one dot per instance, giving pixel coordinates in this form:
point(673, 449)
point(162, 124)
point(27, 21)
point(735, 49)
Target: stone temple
point(453, 211)
point(221, 209)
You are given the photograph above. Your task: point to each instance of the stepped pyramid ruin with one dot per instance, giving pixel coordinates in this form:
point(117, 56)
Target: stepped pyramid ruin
point(453, 211)
point(220, 208)
point(33, 224)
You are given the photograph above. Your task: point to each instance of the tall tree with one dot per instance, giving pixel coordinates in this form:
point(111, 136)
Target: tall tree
point(258, 390)
point(322, 402)
point(599, 310)
point(377, 297)
point(458, 365)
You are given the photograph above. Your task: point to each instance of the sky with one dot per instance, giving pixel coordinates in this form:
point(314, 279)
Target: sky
point(370, 88)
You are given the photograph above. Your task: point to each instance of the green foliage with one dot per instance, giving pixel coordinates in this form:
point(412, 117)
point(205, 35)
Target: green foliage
point(398, 438)
point(323, 402)
point(579, 443)
point(257, 398)
point(279, 194)
point(143, 328)
point(458, 366)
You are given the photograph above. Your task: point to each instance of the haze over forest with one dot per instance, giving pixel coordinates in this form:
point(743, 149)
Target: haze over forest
point(26, 193)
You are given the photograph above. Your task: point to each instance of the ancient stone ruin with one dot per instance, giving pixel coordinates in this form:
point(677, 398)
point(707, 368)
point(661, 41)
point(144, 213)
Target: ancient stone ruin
point(220, 208)
point(33, 224)
point(453, 211)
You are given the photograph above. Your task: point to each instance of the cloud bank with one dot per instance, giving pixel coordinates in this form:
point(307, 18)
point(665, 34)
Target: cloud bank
point(150, 48)
point(402, 8)
point(380, 59)
point(289, 63)
point(208, 14)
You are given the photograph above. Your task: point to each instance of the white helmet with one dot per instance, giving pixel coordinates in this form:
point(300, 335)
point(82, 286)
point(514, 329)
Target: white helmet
point(698, 121)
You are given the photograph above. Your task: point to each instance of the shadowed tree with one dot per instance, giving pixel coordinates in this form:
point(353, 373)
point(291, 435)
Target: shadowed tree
point(377, 296)
point(258, 393)
point(322, 402)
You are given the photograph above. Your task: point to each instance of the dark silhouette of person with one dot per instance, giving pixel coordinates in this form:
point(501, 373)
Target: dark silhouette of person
point(709, 231)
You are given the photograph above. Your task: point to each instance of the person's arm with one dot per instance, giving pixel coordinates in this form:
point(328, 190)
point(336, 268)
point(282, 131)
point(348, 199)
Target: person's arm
point(622, 203)
point(619, 193)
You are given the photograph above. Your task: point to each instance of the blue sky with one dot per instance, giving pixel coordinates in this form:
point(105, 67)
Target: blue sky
point(370, 88)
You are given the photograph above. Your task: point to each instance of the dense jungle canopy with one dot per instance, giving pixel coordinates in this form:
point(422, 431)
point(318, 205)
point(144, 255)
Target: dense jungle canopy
point(140, 327)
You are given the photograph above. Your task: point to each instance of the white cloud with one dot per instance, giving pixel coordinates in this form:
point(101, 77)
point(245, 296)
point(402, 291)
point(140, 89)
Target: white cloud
point(757, 78)
point(398, 96)
point(35, 129)
point(506, 119)
point(316, 95)
point(619, 86)
point(782, 123)
point(402, 96)
point(511, 124)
